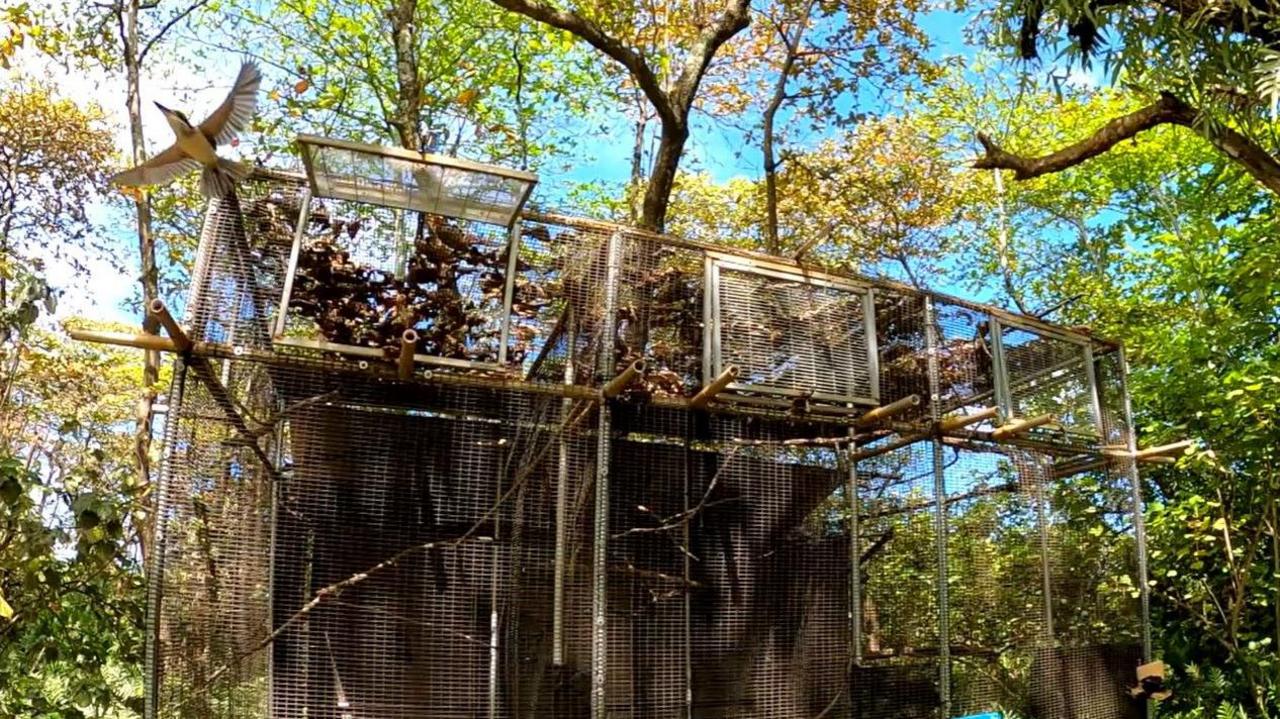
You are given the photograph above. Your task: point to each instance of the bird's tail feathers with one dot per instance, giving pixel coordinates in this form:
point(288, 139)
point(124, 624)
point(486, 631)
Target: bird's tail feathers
point(221, 180)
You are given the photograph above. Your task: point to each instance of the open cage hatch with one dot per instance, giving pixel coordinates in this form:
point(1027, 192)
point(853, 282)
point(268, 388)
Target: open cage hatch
point(390, 240)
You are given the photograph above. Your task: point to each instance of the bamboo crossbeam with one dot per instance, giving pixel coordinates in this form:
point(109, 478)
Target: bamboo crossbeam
point(124, 339)
point(623, 380)
point(889, 410)
point(713, 388)
point(408, 346)
point(1020, 426)
point(951, 424)
point(181, 342)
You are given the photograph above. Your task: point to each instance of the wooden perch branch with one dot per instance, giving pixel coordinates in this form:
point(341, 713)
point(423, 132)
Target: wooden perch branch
point(124, 339)
point(1168, 109)
point(889, 410)
point(408, 346)
point(1020, 426)
point(713, 388)
point(950, 424)
point(623, 380)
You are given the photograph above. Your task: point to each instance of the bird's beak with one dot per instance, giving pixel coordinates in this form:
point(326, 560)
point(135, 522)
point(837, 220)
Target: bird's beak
point(163, 109)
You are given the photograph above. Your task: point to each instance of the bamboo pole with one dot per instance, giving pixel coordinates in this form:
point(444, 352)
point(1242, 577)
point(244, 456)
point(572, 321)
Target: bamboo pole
point(1150, 454)
point(125, 339)
point(179, 336)
point(950, 424)
point(713, 388)
point(1163, 450)
point(408, 346)
point(889, 410)
point(1020, 426)
point(623, 380)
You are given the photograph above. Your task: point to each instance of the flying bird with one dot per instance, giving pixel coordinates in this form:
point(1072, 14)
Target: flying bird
point(195, 145)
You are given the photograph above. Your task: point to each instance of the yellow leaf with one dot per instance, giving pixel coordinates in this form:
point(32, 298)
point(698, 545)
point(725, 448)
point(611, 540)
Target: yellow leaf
point(466, 97)
point(273, 95)
point(6, 611)
point(301, 86)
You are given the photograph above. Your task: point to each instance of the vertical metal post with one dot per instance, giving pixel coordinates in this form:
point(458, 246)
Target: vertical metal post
point(940, 510)
point(1043, 474)
point(1095, 394)
point(873, 342)
point(494, 579)
point(304, 216)
point(508, 292)
point(855, 556)
point(685, 535)
point(1139, 522)
point(1000, 380)
point(710, 320)
point(562, 501)
point(278, 459)
point(600, 534)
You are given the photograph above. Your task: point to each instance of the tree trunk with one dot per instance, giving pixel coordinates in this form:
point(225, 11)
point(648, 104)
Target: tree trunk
point(771, 242)
point(662, 178)
point(409, 98)
point(149, 276)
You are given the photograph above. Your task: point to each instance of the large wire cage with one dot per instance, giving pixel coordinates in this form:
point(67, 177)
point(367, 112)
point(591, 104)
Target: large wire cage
point(494, 538)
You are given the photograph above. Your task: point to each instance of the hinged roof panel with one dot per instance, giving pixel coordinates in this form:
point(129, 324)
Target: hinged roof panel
point(395, 177)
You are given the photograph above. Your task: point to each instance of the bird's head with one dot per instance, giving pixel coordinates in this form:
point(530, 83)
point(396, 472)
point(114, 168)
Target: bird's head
point(175, 118)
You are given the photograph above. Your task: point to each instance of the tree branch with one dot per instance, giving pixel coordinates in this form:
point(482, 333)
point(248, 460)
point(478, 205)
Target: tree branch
point(142, 54)
point(595, 36)
point(1168, 110)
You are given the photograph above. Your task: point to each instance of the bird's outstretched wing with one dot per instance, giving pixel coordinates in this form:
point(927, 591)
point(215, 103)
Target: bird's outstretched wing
point(159, 170)
point(235, 112)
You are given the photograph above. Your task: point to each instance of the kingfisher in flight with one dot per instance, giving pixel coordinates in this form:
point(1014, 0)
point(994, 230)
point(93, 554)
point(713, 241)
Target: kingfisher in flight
point(195, 145)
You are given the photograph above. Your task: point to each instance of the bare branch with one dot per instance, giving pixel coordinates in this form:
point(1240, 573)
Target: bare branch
point(142, 54)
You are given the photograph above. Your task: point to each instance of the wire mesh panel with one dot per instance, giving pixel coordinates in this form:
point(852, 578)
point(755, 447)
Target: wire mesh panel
point(896, 669)
point(212, 564)
point(998, 537)
point(241, 263)
point(1047, 375)
point(792, 334)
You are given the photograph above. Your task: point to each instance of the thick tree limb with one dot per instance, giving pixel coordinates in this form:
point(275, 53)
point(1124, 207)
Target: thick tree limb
point(1168, 110)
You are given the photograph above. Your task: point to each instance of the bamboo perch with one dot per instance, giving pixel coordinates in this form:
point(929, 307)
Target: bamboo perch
point(713, 388)
point(408, 346)
point(1020, 426)
point(623, 380)
point(125, 339)
point(1163, 450)
point(950, 424)
point(890, 410)
point(1150, 454)
point(181, 342)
